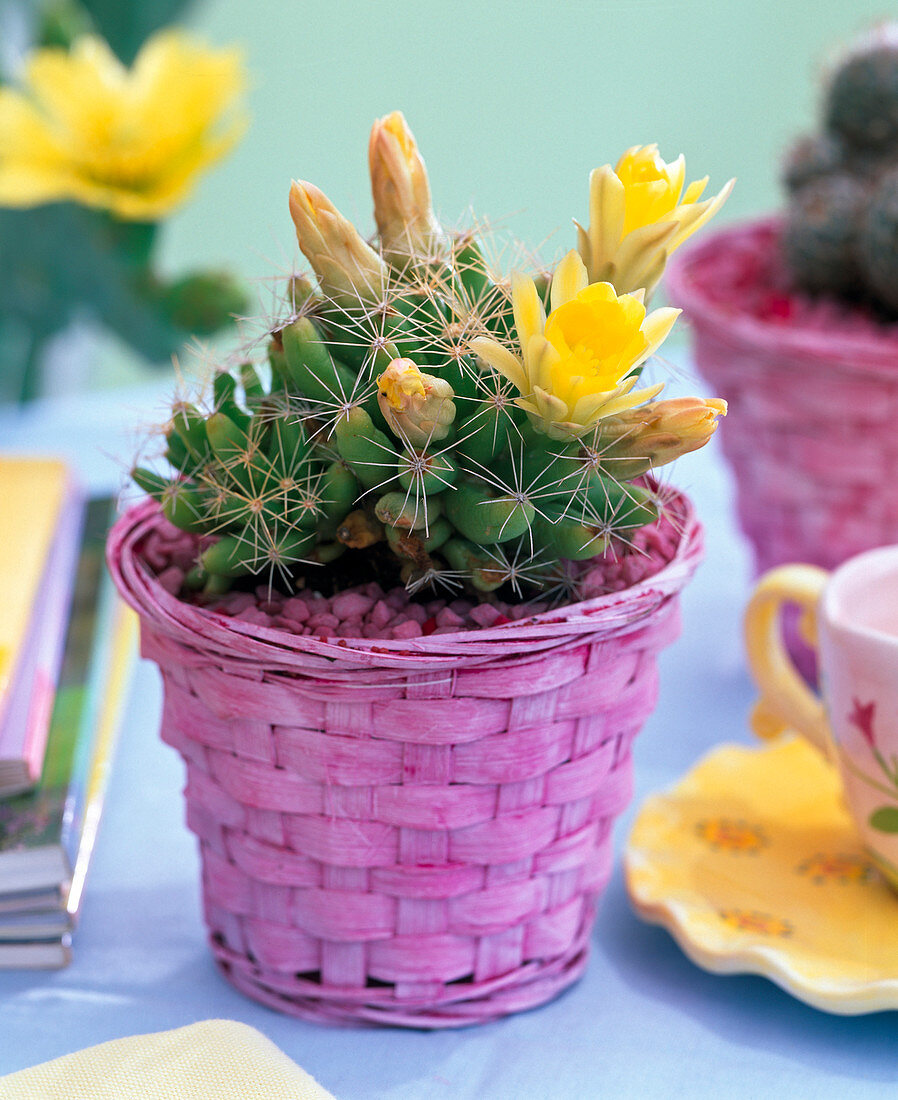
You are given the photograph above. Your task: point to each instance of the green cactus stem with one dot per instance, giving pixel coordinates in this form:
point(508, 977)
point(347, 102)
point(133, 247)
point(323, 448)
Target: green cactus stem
point(819, 235)
point(862, 100)
point(878, 242)
point(365, 449)
point(485, 517)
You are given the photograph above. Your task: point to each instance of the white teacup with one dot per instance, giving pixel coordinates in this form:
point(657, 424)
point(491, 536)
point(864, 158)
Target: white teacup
point(852, 615)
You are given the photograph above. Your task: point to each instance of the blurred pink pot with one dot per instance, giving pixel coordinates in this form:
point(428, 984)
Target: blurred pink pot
point(813, 394)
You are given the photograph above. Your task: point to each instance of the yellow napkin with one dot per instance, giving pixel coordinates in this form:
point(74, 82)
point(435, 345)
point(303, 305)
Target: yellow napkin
point(211, 1060)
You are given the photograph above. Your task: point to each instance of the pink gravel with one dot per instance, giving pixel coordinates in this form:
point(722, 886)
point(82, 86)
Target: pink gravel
point(367, 611)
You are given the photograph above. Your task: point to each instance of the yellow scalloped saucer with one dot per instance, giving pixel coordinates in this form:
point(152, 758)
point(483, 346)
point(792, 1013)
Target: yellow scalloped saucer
point(752, 864)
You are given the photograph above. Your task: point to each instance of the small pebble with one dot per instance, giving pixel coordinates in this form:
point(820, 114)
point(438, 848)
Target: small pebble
point(253, 615)
point(447, 618)
point(296, 609)
point(235, 602)
point(351, 629)
point(171, 579)
point(351, 605)
point(408, 629)
point(415, 611)
point(484, 614)
point(322, 619)
point(381, 613)
point(283, 623)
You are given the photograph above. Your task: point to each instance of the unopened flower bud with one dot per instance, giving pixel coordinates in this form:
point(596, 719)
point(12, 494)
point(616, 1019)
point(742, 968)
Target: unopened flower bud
point(402, 204)
point(348, 269)
point(655, 434)
point(418, 407)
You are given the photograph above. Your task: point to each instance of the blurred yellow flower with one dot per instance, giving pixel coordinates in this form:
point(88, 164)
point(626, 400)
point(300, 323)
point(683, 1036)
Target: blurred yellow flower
point(131, 141)
point(638, 215)
point(577, 366)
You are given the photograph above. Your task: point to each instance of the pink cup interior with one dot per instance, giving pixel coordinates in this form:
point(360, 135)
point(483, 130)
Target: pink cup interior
point(862, 595)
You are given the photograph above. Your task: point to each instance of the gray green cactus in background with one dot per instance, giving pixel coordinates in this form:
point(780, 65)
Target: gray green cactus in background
point(841, 224)
point(374, 423)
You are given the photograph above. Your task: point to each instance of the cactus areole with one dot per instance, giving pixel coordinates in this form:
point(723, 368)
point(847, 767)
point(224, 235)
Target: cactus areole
point(417, 409)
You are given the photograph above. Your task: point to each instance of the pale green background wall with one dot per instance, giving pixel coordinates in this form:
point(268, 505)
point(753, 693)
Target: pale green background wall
point(512, 104)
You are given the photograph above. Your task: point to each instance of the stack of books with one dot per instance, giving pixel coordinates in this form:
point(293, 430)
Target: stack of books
point(66, 648)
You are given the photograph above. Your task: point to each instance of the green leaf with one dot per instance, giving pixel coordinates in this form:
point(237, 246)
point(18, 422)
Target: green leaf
point(885, 819)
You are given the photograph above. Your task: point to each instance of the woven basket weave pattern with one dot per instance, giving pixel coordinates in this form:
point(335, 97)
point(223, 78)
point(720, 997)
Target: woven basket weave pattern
point(403, 835)
point(810, 432)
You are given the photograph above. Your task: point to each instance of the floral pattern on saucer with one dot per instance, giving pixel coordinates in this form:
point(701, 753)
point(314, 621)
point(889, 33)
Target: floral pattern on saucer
point(753, 865)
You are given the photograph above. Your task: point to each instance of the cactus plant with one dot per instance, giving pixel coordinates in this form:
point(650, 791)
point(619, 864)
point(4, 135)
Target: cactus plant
point(862, 100)
point(840, 221)
point(878, 240)
point(417, 408)
point(820, 236)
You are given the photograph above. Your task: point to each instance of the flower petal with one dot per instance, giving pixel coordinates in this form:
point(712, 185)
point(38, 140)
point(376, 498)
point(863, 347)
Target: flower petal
point(692, 218)
point(676, 173)
point(656, 328)
point(551, 408)
point(694, 191)
point(607, 206)
point(569, 279)
point(501, 359)
point(630, 400)
point(529, 314)
point(542, 359)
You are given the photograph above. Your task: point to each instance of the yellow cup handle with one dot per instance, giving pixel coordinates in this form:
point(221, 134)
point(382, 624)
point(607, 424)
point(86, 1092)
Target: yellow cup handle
point(786, 701)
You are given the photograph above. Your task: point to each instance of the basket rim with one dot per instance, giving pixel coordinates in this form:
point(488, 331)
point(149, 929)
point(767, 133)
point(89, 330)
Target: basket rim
point(602, 616)
point(862, 354)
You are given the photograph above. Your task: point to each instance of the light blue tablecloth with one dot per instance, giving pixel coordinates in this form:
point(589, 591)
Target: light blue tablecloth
point(643, 1022)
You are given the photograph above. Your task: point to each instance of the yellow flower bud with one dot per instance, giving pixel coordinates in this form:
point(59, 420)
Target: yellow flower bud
point(402, 204)
point(348, 269)
point(418, 407)
point(657, 433)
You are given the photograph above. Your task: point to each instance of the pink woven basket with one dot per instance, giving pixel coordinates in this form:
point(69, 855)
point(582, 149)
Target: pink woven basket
point(405, 832)
point(813, 398)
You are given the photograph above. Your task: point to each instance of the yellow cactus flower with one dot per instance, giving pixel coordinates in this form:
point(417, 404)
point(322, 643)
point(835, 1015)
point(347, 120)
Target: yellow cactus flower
point(131, 141)
point(402, 204)
point(418, 407)
point(638, 215)
point(348, 268)
point(577, 366)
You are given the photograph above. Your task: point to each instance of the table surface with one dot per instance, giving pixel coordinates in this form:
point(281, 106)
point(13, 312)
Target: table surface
point(644, 1021)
